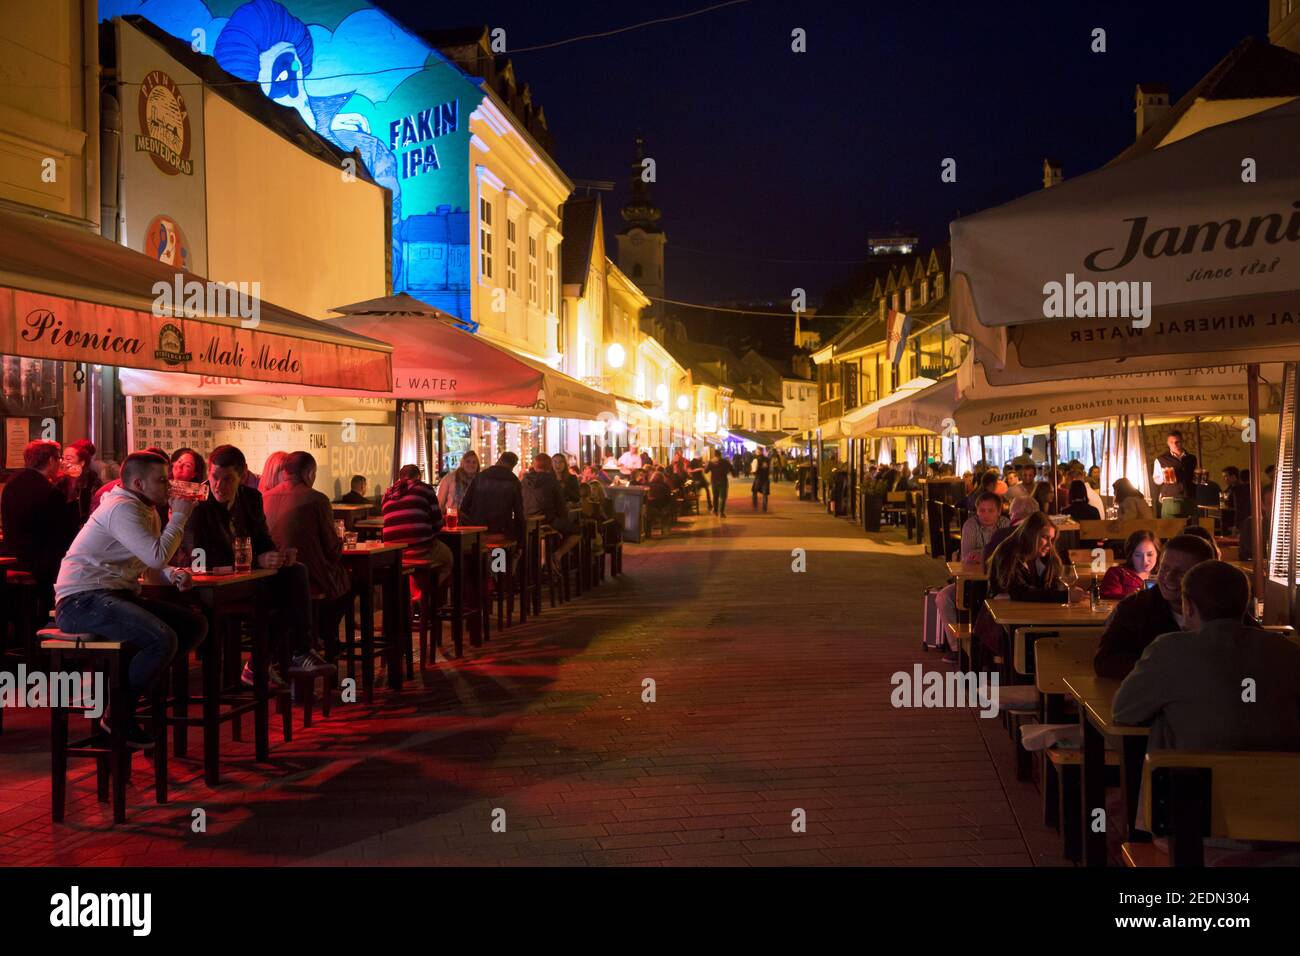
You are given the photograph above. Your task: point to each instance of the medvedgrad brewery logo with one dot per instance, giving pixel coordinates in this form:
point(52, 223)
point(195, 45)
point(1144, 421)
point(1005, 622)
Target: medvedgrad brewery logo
point(171, 345)
point(164, 125)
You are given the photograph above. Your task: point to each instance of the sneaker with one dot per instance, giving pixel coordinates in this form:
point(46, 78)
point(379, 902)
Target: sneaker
point(951, 658)
point(310, 663)
point(136, 738)
point(273, 679)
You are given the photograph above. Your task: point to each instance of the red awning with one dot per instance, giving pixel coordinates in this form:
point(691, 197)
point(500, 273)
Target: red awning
point(433, 362)
point(69, 294)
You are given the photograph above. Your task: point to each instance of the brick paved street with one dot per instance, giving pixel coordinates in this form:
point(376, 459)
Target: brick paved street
point(772, 694)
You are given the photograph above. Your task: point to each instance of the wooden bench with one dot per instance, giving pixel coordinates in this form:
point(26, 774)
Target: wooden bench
point(1190, 796)
point(1056, 658)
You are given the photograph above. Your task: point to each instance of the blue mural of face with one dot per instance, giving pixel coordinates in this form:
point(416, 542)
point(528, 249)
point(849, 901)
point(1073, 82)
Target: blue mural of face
point(284, 75)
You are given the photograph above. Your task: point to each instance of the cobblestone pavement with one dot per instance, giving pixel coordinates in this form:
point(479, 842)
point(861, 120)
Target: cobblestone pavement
point(772, 695)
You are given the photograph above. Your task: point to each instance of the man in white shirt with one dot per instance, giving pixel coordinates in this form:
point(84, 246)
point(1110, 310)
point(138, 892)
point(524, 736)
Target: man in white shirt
point(629, 461)
point(98, 588)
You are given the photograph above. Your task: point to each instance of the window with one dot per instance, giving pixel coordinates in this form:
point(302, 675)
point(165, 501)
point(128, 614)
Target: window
point(550, 281)
point(484, 238)
point(636, 270)
point(752, 426)
point(907, 300)
point(532, 270)
point(938, 287)
point(789, 392)
point(512, 257)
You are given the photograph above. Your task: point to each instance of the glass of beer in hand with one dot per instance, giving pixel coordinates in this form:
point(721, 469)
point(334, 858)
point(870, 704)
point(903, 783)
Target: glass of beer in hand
point(188, 490)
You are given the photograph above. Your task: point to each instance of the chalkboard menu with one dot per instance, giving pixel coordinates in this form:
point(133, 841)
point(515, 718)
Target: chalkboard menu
point(166, 422)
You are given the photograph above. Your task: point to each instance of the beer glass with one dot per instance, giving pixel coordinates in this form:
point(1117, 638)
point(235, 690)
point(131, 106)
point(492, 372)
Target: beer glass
point(243, 555)
point(453, 519)
point(189, 490)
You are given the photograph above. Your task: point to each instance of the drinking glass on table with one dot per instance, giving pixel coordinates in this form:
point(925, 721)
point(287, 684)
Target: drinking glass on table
point(349, 540)
point(1071, 579)
point(340, 528)
point(453, 519)
point(243, 555)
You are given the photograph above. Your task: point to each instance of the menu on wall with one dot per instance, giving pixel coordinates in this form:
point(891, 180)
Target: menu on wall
point(16, 432)
point(341, 451)
point(167, 422)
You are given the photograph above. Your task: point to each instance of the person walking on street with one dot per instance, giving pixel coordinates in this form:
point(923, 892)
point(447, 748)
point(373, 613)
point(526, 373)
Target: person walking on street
point(719, 472)
point(762, 484)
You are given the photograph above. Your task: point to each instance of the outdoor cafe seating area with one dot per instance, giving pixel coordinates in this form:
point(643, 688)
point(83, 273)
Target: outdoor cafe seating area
point(385, 639)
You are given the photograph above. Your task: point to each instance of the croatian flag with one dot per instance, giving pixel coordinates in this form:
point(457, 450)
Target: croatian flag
point(899, 327)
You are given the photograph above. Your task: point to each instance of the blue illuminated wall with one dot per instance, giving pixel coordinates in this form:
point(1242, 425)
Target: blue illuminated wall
point(363, 83)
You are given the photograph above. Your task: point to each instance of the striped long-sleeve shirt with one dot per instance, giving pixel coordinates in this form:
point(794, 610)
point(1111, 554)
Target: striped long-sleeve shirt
point(411, 513)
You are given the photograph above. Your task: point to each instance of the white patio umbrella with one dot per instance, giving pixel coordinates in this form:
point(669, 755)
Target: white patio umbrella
point(1206, 231)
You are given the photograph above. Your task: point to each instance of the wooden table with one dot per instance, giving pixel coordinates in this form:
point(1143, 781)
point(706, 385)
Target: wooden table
point(465, 540)
point(976, 572)
point(350, 514)
point(1024, 613)
point(369, 528)
point(1095, 696)
point(370, 564)
point(220, 596)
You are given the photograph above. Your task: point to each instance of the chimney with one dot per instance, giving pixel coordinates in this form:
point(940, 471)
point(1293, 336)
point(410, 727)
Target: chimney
point(1152, 104)
point(1052, 173)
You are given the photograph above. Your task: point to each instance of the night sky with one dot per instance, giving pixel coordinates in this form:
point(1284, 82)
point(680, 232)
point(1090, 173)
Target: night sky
point(766, 155)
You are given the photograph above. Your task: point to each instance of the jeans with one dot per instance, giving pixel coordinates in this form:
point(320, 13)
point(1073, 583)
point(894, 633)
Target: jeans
point(720, 498)
point(291, 594)
point(153, 630)
point(754, 497)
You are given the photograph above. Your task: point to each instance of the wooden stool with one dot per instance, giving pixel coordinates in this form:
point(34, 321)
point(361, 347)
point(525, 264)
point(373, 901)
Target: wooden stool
point(430, 624)
point(503, 581)
point(112, 757)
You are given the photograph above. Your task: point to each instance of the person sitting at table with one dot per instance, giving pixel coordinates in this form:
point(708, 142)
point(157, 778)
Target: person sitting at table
point(1144, 615)
point(568, 482)
point(659, 498)
point(1132, 504)
point(986, 484)
point(1196, 530)
point(188, 465)
point(412, 517)
point(272, 471)
point(78, 479)
point(107, 487)
point(39, 521)
point(975, 536)
point(233, 510)
point(1021, 508)
point(454, 484)
point(1187, 684)
point(542, 496)
point(1141, 553)
point(495, 500)
point(629, 461)
point(1025, 567)
point(98, 586)
point(1079, 507)
point(357, 494)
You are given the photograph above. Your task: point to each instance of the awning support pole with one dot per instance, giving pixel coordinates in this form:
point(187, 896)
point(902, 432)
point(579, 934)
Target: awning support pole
point(1256, 481)
point(1051, 457)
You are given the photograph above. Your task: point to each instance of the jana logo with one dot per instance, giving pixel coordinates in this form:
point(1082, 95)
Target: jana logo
point(164, 125)
point(171, 345)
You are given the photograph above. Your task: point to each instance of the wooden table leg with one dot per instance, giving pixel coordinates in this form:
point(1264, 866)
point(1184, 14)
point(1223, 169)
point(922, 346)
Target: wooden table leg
point(261, 690)
point(458, 599)
point(477, 623)
point(1134, 749)
point(368, 633)
point(394, 621)
point(1092, 781)
point(212, 704)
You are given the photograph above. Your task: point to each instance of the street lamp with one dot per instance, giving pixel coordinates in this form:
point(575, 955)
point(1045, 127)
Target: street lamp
point(683, 402)
point(615, 355)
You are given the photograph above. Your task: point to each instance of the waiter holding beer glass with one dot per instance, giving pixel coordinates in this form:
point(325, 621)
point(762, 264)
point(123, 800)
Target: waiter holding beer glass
point(1175, 475)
